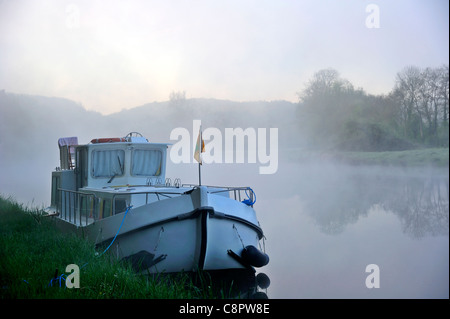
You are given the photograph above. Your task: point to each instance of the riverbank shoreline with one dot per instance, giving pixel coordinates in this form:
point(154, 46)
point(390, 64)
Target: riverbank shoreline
point(35, 256)
point(428, 157)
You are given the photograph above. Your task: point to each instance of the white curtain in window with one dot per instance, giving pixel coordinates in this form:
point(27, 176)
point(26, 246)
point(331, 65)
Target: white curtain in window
point(108, 163)
point(146, 162)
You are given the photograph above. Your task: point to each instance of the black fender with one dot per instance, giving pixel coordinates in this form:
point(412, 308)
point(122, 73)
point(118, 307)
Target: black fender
point(262, 280)
point(253, 256)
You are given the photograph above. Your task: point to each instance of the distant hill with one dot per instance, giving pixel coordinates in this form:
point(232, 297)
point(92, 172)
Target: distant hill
point(157, 119)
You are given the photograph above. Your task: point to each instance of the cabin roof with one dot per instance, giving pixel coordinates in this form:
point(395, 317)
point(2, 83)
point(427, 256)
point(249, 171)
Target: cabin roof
point(125, 143)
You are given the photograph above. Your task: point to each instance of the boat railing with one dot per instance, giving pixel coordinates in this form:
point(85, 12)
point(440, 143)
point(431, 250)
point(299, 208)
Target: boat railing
point(77, 207)
point(238, 193)
point(147, 197)
point(82, 208)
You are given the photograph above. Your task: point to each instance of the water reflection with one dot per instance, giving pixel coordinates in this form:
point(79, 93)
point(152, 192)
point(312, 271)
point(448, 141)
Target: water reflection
point(420, 202)
point(325, 223)
point(228, 284)
point(238, 283)
point(424, 206)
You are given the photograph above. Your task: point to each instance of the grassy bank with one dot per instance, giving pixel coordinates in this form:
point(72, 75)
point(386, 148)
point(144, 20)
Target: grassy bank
point(33, 253)
point(438, 157)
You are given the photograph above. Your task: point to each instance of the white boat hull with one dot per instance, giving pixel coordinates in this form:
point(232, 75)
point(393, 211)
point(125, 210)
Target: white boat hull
point(196, 230)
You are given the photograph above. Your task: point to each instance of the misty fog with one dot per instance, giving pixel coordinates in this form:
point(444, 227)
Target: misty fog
point(323, 221)
point(326, 215)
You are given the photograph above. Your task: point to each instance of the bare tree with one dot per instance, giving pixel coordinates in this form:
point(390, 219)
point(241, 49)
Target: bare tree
point(177, 98)
point(325, 82)
point(422, 96)
point(408, 84)
point(443, 83)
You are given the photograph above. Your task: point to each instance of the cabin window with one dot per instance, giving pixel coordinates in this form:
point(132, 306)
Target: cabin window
point(81, 167)
point(88, 206)
point(106, 209)
point(55, 186)
point(120, 205)
point(146, 163)
point(107, 163)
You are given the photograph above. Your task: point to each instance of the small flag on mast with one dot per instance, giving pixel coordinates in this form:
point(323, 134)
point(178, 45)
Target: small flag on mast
point(199, 149)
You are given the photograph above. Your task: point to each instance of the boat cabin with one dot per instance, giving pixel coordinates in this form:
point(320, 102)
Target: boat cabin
point(103, 165)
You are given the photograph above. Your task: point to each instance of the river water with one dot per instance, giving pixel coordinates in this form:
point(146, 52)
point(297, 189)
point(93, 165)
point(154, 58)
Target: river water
point(325, 223)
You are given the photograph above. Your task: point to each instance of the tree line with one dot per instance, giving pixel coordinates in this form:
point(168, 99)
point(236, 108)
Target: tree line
point(336, 115)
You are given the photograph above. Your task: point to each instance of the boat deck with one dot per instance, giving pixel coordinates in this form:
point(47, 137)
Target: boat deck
point(88, 205)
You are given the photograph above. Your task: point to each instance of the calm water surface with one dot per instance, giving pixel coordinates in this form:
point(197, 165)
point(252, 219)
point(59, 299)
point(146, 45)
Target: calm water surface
point(325, 223)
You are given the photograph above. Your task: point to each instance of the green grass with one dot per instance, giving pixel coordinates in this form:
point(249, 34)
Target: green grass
point(31, 250)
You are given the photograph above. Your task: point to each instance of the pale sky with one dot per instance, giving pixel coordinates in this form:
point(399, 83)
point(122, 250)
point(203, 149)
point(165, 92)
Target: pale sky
point(114, 55)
